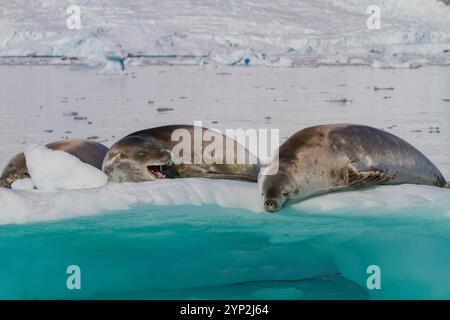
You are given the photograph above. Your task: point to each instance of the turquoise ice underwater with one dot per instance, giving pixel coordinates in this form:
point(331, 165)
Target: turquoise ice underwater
point(319, 249)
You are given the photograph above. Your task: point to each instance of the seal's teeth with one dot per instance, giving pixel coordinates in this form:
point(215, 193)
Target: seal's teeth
point(156, 171)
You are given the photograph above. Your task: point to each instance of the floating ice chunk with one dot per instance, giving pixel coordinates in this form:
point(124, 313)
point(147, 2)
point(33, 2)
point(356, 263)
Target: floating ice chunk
point(53, 170)
point(23, 184)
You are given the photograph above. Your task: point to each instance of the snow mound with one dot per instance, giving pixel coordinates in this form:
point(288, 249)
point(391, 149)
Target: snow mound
point(53, 170)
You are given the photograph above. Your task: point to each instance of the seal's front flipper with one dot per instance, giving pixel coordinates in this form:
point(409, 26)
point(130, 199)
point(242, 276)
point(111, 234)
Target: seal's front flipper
point(4, 184)
point(360, 179)
point(187, 171)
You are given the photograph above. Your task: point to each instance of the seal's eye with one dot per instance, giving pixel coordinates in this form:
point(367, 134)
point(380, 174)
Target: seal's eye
point(285, 194)
point(262, 194)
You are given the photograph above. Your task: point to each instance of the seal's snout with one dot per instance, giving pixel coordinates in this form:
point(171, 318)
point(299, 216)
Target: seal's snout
point(271, 205)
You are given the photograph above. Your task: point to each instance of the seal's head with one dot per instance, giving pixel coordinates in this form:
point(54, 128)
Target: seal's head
point(15, 169)
point(276, 188)
point(135, 158)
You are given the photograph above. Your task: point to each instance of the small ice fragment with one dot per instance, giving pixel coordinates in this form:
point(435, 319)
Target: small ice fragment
point(378, 88)
point(343, 100)
point(70, 113)
point(164, 109)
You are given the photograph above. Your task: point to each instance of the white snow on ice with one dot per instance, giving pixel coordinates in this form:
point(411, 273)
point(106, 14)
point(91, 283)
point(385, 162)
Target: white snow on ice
point(29, 206)
point(255, 32)
point(23, 184)
point(24, 206)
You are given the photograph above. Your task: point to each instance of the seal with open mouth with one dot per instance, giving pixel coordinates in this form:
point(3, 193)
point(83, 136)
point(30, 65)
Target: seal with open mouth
point(149, 154)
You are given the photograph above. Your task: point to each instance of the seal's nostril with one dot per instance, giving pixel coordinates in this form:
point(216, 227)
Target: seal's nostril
point(271, 205)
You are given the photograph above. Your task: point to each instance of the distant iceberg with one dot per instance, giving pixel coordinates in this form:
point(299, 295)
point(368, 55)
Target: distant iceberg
point(288, 33)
